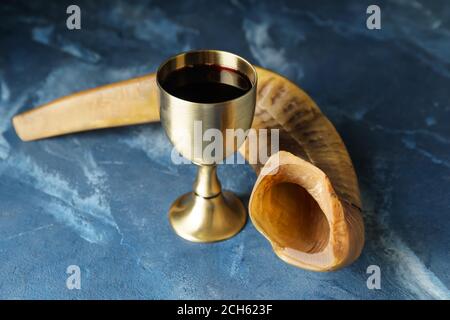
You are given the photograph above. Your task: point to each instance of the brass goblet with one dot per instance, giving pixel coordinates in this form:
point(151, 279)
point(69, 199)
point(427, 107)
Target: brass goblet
point(201, 91)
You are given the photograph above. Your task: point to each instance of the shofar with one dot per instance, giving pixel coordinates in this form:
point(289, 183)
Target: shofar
point(306, 199)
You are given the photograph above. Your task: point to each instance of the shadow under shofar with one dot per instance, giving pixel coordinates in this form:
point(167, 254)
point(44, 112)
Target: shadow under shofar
point(306, 199)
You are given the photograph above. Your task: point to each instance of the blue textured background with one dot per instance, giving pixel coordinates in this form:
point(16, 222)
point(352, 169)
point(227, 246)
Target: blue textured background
point(99, 199)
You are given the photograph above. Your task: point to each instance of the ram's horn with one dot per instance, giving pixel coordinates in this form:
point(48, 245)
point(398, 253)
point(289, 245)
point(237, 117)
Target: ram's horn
point(306, 199)
point(118, 104)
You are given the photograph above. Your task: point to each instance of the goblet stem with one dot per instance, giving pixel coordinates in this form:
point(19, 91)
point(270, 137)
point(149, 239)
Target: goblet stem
point(207, 214)
point(207, 183)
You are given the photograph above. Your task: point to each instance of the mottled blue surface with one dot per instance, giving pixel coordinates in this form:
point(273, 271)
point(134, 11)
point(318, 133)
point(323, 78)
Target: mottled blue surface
point(99, 199)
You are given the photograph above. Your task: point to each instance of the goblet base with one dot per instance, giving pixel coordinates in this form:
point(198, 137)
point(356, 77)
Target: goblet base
point(199, 219)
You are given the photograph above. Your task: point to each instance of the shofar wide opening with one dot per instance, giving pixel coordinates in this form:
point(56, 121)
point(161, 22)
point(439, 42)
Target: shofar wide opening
point(295, 206)
point(293, 218)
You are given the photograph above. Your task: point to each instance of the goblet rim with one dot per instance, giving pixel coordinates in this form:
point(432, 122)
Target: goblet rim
point(250, 92)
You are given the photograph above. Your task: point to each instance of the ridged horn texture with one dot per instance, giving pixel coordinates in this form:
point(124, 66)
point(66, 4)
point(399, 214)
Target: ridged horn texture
point(306, 199)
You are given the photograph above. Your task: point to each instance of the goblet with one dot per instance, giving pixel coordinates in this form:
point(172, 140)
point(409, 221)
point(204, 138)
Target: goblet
point(204, 94)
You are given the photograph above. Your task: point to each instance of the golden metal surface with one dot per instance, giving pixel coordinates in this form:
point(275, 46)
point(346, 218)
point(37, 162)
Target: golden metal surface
point(178, 116)
point(199, 219)
point(207, 214)
point(207, 184)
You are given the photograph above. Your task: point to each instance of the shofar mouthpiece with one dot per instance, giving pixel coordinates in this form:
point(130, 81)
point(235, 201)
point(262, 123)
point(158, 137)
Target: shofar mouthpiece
point(117, 104)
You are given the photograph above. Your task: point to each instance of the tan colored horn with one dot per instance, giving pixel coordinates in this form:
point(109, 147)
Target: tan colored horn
point(306, 199)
